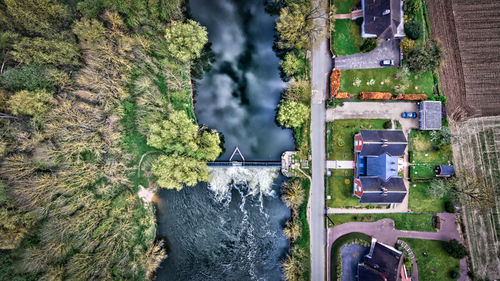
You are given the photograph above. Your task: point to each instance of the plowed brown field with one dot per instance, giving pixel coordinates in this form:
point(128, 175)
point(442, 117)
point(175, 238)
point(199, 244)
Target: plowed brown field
point(470, 34)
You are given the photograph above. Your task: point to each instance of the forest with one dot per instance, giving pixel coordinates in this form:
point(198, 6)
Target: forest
point(87, 90)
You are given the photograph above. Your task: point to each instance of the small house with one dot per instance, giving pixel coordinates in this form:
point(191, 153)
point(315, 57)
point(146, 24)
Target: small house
point(430, 115)
point(445, 171)
point(382, 263)
point(376, 157)
point(383, 19)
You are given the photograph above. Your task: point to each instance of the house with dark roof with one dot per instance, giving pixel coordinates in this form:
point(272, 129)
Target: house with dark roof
point(382, 263)
point(431, 115)
point(383, 19)
point(376, 157)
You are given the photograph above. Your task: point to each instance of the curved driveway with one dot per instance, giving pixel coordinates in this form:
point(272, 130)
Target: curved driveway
point(385, 232)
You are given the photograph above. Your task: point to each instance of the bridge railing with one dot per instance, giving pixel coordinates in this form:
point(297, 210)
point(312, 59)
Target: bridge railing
point(276, 164)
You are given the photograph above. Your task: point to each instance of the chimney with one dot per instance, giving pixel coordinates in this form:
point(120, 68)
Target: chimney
point(385, 142)
point(386, 12)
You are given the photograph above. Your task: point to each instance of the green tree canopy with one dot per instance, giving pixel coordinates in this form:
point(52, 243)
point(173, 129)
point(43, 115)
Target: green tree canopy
point(185, 40)
point(424, 57)
point(455, 249)
point(296, 26)
point(34, 17)
point(178, 134)
point(31, 77)
point(414, 30)
point(173, 171)
point(34, 103)
point(46, 51)
point(292, 114)
point(292, 64)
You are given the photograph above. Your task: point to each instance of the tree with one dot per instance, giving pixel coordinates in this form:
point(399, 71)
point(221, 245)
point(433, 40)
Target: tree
point(440, 138)
point(368, 45)
point(413, 30)
point(424, 57)
point(292, 269)
point(178, 134)
point(33, 76)
point(293, 195)
point(39, 50)
point(438, 188)
point(293, 229)
point(34, 17)
point(174, 171)
point(34, 103)
point(455, 249)
point(185, 40)
point(407, 45)
point(297, 91)
point(296, 26)
point(292, 114)
point(413, 7)
point(292, 64)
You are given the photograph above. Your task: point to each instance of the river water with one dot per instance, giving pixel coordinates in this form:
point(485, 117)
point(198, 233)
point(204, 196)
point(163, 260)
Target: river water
point(231, 228)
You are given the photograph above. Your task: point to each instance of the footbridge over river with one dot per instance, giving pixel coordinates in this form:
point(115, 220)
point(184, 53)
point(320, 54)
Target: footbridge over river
point(243, 162)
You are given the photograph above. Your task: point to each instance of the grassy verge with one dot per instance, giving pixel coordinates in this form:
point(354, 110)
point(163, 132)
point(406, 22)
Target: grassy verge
point(339, 243)
point(433, 261)
point(304, 241)
point(383, 80)
point(419, 201)
point(417, 222)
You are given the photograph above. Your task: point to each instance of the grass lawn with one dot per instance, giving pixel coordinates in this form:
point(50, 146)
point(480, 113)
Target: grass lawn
point(435, 264)
point(344, 6)
point(422, 172)
point(343, 135)
point(424, 158)
point(421, 202)
point(418, 222)
point(340, 190)
point(346, 38)
point(383, 81)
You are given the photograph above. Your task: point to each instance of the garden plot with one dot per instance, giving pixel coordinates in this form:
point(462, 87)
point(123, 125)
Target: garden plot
point(476, 147)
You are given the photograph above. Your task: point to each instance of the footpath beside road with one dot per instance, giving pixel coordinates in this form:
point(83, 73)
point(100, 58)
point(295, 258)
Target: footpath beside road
point(321, 64)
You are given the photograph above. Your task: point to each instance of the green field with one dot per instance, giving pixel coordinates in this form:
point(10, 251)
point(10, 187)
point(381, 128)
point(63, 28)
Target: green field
point(382, 80)
point(346, 38)
point(344, 6)
point(419, 201)
point(417, 222)
point(433, 261)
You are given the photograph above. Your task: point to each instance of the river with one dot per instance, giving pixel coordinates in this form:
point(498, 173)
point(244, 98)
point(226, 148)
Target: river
point(231, 229)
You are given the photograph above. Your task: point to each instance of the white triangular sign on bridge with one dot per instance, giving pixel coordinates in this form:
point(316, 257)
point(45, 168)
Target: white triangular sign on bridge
point(234, 152)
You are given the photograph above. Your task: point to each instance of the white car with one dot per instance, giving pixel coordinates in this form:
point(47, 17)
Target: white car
point(387, 63)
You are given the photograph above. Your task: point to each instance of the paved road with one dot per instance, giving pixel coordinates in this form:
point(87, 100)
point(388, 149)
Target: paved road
point(385, 232)
point(385, 50)
point(321, 65)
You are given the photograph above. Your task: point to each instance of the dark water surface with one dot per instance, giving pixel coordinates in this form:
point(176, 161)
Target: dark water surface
point(221, 232)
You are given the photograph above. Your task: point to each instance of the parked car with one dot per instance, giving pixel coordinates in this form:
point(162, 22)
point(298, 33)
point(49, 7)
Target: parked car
point(386, 63)
point(409, 115)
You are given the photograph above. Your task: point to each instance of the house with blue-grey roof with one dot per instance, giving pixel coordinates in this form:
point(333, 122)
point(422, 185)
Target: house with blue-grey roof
point(376, 157)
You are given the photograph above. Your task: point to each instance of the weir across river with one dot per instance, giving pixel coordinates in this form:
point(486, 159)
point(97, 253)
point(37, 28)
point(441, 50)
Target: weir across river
point(273, 164)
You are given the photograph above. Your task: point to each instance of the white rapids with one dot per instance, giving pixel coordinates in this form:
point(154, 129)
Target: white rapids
point(259, 180)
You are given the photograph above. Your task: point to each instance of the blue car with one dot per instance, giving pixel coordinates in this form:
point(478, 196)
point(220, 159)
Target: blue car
point(409, 115)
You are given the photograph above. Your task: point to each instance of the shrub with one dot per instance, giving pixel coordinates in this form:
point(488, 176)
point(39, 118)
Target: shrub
point(455, 249)
point(413, 6)
point(413, 30)
point(407, 45)
point(455, 274)
point(424, 57)
point(449, 207)
point(292, 114)
point(387, 124)
point(359, 21)
point(368, 45)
